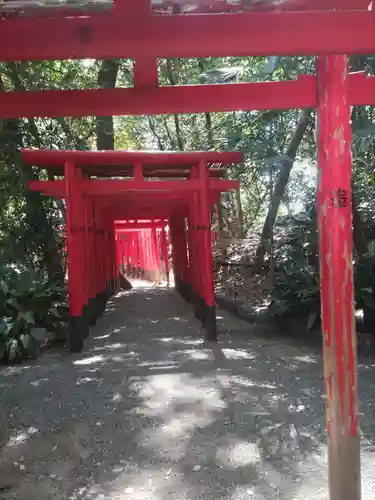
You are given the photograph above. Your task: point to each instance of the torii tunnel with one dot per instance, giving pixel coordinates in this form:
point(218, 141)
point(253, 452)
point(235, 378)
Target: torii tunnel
point(177, 189)
point(142, 249)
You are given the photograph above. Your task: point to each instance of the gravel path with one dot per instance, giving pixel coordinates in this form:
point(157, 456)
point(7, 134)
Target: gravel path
point(149, 412)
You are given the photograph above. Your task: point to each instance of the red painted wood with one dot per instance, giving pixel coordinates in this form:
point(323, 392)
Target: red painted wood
point(299, 93)
point(335, 227)
point(51, 157)
point(145, 72)
point(164, 252)
point(136, 227)
point(74, 243)
point(112, 36)
point(113, 187)
point(205, 221)
point(194, 241)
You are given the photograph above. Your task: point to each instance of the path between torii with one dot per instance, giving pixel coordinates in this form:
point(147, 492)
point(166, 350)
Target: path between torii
point(149, 412)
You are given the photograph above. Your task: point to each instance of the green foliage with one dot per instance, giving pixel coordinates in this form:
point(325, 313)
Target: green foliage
point(28, 222)
point(26, 302)
point(295, 290)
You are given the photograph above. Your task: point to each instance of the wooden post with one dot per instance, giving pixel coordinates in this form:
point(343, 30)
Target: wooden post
point(195, 250)
point(166, 254)
point(239, 213)
point(191, 261)
point(156, 252)
point(79, 327)
point(174, 253)
point(137, 255)
point(208, 285)
point(336, 274)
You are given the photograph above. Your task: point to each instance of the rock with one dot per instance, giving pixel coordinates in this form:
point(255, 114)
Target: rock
point(125, 284)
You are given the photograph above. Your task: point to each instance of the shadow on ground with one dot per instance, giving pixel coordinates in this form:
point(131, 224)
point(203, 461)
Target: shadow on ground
point(150, 412)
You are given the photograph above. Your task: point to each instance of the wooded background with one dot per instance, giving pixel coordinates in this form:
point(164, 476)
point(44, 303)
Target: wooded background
point(271, 263)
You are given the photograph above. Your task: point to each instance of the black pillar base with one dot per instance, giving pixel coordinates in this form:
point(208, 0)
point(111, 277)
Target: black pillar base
point(93, 318)
point(183, 290)
point(199, 308)
point(188, 293)
point(101, 301)
point(86, 315)
point(97, 307)
point(78, 331)
point(209, 323)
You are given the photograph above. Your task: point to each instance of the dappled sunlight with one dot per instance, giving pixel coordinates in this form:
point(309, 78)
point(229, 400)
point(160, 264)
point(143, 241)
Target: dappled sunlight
point(156, 483)
point(198, 355)
point(185, 341)
point(181, 407)
point(238, 354)
point(14, 370)
point(155, 365)
point(90, 360)
point(38, 382)
point(151, 411)
point(102, 337)
point(21, 437)
point(86, 380)
point(110, 347)
point(306, 359)
point(238, 453)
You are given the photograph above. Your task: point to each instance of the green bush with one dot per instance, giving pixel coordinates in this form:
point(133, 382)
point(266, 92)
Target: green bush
point(295, 290)
point(26, 302)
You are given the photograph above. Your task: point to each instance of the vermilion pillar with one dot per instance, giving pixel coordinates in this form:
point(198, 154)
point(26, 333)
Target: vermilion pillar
point(336, 274)
point(208, 285)
point(79, 326)
point(164, 252)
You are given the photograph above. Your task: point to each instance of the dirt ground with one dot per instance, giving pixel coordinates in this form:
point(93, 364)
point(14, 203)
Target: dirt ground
point(148, 411)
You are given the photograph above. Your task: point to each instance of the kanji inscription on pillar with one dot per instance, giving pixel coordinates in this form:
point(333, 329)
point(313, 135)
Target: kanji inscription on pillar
point(340, 198)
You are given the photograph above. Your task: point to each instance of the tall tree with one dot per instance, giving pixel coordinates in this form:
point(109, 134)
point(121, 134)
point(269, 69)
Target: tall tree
point(107, 77)
point(286, 162)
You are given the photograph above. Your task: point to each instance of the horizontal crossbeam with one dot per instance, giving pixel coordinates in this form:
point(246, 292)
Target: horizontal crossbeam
point(138, 227)
point(158, 101)
point(54, 158)
point(115, 36)
point(300, 93)
point(112, 187)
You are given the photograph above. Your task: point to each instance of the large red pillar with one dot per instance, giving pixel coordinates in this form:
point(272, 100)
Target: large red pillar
point(336, 275)
point(79, 326)
point(208, 283)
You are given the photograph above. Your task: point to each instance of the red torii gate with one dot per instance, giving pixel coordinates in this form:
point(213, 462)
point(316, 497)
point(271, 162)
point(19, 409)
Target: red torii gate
point(95, 206)
point(330, 29)
point(131, 258)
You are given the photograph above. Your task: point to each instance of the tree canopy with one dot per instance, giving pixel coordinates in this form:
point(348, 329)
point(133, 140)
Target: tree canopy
point(278, 175)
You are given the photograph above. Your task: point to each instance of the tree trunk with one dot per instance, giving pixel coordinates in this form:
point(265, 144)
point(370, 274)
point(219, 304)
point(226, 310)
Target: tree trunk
point(176, 118)
point(359, 236)
point(152, 126)
point(239, 213)
point(11, 137)
point(207, 116)
point(287, 162)
point(105, 137)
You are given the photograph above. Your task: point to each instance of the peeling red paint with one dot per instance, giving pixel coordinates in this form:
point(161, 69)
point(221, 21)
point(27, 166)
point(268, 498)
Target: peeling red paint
point(335, 227)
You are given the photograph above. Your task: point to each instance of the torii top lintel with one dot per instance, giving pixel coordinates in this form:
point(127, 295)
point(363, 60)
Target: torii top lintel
point(131, 29)
point(121, 163)
point(50, 157)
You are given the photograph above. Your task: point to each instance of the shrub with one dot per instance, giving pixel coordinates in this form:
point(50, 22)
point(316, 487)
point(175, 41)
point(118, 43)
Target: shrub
point(26, 302)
